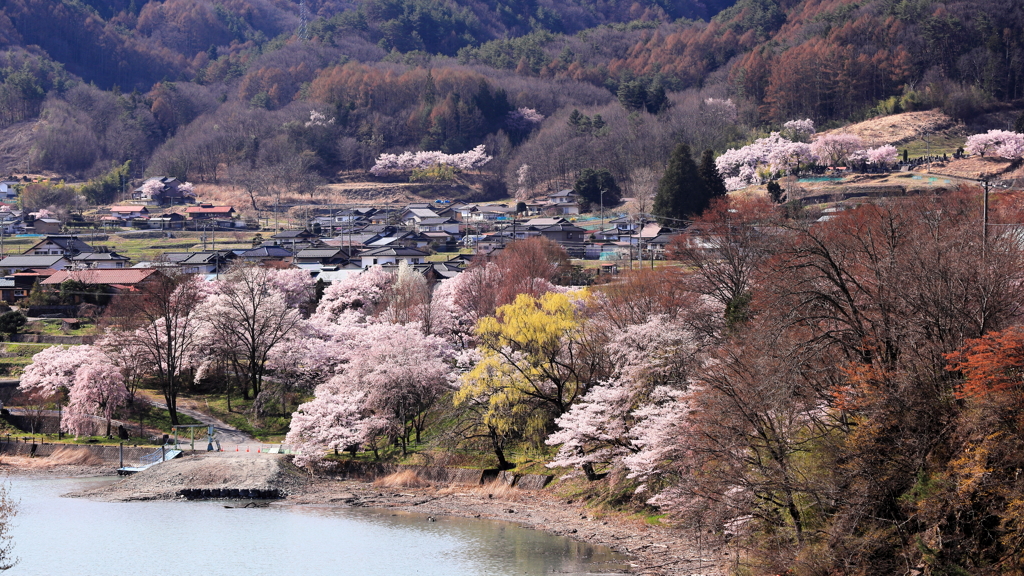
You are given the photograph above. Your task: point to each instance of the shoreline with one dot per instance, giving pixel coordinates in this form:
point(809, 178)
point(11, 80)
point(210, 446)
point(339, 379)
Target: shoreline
point(650, 550)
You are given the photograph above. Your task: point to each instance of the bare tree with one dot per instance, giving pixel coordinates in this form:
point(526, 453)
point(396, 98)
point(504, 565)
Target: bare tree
point(160, 322)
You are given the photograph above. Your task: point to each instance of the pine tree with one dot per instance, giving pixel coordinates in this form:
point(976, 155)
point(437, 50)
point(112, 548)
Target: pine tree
point(710, 175)
point(682, 193)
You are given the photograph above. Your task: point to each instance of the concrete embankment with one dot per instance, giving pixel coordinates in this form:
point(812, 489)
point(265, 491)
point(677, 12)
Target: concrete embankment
point(194, 475)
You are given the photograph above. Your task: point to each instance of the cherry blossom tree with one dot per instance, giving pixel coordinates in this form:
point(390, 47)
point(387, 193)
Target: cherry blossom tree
point(427, 159)
point(403, 373)
point(835, 149)
point(883, 155)
point(598, 429)
point(998, 143)
point(391, 377)
point(98, 391)
point(52, 370)
point(333, 420)
point(361, 294)
point(805, 126)
point(247, 315)
point(764, 159)
point(408, 300)
point(152, 187)
point(523, 120)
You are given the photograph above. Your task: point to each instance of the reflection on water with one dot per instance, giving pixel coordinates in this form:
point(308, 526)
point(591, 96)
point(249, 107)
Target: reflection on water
point(61, 536)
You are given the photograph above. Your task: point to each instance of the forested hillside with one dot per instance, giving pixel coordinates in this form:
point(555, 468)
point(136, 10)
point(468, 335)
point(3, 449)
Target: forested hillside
point(224, 91)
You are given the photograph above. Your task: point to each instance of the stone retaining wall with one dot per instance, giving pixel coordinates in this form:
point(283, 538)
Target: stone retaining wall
point(370, 471)
point(48, 339)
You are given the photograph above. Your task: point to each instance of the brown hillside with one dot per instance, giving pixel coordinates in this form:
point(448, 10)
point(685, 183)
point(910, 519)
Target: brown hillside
point(900, 128)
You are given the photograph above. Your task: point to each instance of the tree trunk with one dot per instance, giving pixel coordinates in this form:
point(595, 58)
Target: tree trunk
point(502, 463)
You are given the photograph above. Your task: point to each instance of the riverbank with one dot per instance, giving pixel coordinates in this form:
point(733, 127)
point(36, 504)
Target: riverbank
point(653, 550)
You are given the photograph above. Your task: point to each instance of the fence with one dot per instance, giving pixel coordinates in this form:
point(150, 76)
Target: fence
point(27, 446)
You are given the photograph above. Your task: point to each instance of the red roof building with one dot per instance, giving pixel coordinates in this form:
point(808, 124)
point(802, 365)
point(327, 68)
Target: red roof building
point(209, 211)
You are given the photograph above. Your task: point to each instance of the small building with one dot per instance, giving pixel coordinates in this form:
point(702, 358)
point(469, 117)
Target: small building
point(126, 280)
point(209, 211)
point(392, 255)
point(58, 245)
point(164, 190)
point(100, 260)
point(9, 189)
point(325, 256)
point(264, 254)
point(20, 263)
point(47, 226)
point(129, 212)
point(564, 202)
point(446, 225)
point(168, 221)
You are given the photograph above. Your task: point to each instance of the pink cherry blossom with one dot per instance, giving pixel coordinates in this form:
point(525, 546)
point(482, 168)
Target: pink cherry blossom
point(998, 143)
point(98, 391)
point(835, 149)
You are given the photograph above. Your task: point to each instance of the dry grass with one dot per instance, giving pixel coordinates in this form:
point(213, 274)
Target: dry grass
point(899, 128)
point(497, 489)
point(60, 457)
point(403, 479)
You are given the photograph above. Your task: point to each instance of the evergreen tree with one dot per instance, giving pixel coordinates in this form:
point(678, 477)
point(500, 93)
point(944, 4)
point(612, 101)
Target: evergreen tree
point(775, 192)
point(682, 193)
point(710, 175)
point(1019, 125)
point(657, 100)
point(590, 184)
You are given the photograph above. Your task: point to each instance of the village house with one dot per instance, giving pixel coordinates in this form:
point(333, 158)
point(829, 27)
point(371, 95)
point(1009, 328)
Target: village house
point(205, 263)
point(564, 202)
point(129, 212)
point(9, 189)
point(447, 225)
point(62, 245)
point(392, 255)
point(169, 192)
point(47, 226)
point(99, 260)
point(323, 256)
point(209, 212)
point(126, 280)
point(24, 262)
point(168, 221)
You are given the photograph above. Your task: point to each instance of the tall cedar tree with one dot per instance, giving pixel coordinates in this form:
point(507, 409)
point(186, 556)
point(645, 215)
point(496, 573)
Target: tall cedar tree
point(710, 175)
point(682, 193)
point(591, 183)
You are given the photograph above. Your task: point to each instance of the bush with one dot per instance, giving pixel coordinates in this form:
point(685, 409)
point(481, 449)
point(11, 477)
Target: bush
point(11, 321)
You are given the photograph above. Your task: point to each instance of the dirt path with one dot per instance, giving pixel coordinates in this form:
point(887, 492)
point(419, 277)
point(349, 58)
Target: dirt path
point(227, 435)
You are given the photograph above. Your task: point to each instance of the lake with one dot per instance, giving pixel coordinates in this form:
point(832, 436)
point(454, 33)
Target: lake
point(61, 536)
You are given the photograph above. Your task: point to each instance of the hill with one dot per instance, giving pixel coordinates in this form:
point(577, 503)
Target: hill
point(245, 92)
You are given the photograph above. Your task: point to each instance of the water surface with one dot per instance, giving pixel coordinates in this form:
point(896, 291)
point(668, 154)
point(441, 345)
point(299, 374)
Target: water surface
point(62, 536)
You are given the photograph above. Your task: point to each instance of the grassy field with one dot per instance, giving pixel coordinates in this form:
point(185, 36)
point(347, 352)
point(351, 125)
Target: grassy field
point(15, 357)
point(146, 249)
